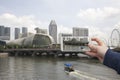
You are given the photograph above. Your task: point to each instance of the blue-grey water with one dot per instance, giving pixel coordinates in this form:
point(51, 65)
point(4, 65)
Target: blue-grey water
point(50, 68)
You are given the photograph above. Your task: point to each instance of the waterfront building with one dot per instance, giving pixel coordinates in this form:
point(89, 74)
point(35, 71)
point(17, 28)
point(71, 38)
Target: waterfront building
point(34, 40)
point(73, 44)
point(80, 31)
point(53, 30)
point(63, 35)
point(17, 33)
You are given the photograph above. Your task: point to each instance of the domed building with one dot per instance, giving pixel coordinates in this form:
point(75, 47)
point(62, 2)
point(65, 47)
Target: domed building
point(35, 40)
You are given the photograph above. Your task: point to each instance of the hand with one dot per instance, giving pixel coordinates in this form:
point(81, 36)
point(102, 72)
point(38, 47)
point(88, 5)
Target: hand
point(97, 50)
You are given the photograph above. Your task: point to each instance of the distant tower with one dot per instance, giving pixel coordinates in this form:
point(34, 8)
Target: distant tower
point(7, 31)
point(80, 32)
point(4, 33)
point(53, 30)
point(24, 31)
point(17, 33)
point(1, 30)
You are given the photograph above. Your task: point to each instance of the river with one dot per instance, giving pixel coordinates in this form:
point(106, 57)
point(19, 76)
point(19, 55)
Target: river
point(50, 68)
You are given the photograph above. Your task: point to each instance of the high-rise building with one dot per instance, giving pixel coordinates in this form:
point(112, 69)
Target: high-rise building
point(1, 30)
point(17, 33)
point(24, 31)
point(80, 32)
point(7, 31)
point(4, 33)
point(53, 30)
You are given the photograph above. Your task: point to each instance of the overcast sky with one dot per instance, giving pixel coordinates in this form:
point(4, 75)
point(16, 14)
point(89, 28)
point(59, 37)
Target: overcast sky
point(100, 16)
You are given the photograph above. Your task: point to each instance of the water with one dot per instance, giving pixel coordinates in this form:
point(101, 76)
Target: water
point(49, 68)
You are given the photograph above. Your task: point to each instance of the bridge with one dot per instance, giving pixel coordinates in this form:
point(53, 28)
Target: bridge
point(39, 52)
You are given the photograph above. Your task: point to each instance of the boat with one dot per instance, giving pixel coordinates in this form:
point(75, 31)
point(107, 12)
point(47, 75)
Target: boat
point(68, 68)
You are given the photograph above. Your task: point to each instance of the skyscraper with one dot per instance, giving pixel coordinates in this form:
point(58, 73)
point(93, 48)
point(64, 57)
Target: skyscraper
point(24, 31)
point(53, 30)
point(4, 33)
point(7, 31)
point(17, 33)
point(80, 32)
point(1, 30)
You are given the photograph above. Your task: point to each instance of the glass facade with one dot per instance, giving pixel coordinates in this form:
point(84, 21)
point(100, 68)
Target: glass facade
point(41, 40)
point(36, 40)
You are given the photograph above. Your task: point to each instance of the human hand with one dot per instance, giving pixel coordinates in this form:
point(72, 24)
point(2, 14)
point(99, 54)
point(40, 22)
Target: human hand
point(97, 50)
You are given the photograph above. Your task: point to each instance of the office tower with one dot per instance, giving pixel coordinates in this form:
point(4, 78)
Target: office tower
point(17, 33)
point(43, 31)
point(80, 32)
point(24, 31)
point(7, 31)
point(4, 33)
point(1, 30)
point(53, 30)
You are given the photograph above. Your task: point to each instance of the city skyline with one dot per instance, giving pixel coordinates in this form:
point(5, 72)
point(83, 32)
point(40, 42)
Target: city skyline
point(99, 16)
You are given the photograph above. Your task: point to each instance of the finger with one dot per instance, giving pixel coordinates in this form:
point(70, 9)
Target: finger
point(100, 58)
point(91, 53)
point(98, 41)
point(92, 47)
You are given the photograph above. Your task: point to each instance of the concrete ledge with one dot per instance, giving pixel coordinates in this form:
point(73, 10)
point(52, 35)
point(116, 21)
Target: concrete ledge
point(3, 54)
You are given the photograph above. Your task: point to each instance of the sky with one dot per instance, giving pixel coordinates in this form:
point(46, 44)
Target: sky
point(100, 16)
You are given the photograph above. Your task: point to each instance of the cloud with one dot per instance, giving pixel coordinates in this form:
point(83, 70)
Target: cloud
point(29, 21)
point(63, 29)
point(117, 26)
point(98, 13)
point(103, 19)
point(95, 32)
point(13, 21)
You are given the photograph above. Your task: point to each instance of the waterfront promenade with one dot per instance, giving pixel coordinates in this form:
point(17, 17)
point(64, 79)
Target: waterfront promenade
point(39, 52)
